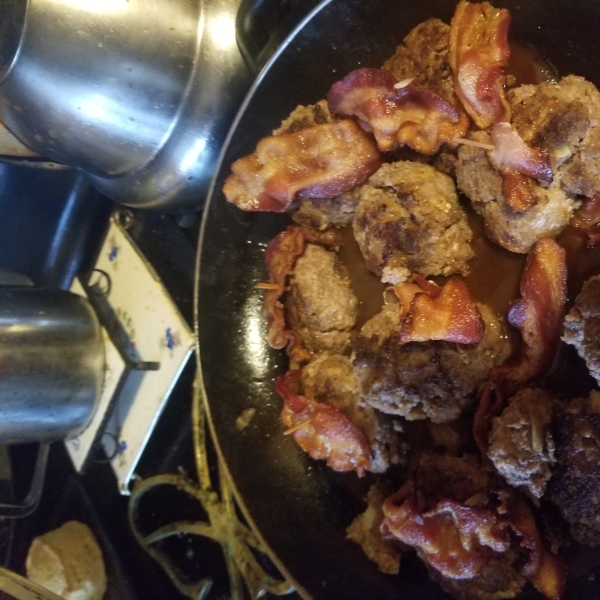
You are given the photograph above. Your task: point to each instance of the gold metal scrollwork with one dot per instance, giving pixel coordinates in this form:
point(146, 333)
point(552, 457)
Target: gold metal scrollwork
point(237, 540)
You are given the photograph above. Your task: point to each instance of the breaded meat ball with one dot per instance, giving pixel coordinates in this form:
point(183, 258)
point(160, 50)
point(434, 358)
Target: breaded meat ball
point(562, 120)
point(515, 231)
point(320, 305)
point(329, 378)
point(409, 221)
point(436, 379)
point(575, 483)
point(303, 117)
point(521, 445)
point(424, 57)
point(582, 325)
point(327, 212)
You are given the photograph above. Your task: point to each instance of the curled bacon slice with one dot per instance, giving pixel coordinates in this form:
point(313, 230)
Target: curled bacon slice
point(448, 313)
point(280, 258)
point(479, 52)
point(518, 162)
point(518, 191)
point(323, 161)
point(515, 155)
point(538, 315)
point(544, 569)
point(457, 540)
point(397, 114)
point(322, 431)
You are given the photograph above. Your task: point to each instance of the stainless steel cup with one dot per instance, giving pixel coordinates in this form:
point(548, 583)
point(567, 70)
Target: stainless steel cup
point(137, 93)
point(51, 364)
point(96, 85)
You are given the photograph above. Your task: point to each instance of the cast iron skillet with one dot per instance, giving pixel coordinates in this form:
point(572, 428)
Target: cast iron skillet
point(300, 507)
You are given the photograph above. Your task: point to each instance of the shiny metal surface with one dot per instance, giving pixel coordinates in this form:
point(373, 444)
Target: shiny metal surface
point(10, 146)
point(12, 20)
point(178, 177)
point(51, 364)
point(97, 85)
point(138, 93)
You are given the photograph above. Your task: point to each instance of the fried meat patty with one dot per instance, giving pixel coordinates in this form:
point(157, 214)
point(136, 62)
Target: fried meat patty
point(329, 378)
point(409, 221)
point(443, 477)
point(436, 380)
point(424, 57)
point(515, 231)
point(575, 483)
point(320, 305)
point(521, 445)
point(582, 325)
point(327, 212)
point(561, 119)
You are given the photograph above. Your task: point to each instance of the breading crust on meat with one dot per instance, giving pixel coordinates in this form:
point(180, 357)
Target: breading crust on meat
point(424, 56)
point(329, 378)
point(409, 221)
point(515, 231)
point(435, 380)
point(562, 119)
point(320, 305)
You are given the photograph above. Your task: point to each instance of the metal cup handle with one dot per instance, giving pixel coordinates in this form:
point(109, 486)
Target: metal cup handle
point(32, 499)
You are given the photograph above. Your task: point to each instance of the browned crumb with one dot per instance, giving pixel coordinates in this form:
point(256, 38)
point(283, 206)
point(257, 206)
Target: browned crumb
point(409, 221)
point(521, 445)
point(364, 530)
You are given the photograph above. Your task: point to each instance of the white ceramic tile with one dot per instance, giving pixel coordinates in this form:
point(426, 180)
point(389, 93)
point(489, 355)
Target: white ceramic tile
point(141, 307)
point(80, 445)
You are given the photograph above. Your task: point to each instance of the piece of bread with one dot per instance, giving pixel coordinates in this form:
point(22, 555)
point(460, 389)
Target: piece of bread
point(68, 562)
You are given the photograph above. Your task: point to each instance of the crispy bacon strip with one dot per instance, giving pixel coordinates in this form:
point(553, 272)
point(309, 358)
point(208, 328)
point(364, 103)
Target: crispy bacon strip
point(518, 162)
point(280, 258)
point(515, 155)
point(323, 161)
point(456, 540)
point(479, 52)
point(323, 432)
point(544, 569)
point(538, 315)
point(433, 313)
point(586, 221)
point(517, 191)
point(409, 114)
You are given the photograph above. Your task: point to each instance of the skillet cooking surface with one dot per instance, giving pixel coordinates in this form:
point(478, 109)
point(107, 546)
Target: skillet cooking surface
point(301, 507)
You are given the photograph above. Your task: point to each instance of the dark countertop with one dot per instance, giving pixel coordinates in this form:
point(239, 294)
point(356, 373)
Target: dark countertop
point(51, 224)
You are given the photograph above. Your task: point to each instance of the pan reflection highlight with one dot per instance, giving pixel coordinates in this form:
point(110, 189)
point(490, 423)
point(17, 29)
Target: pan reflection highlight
point(254, 332)
point(222, 30)
point(94, 7)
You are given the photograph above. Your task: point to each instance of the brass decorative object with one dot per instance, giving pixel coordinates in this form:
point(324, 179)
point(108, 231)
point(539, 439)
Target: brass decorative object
point(238, 541)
